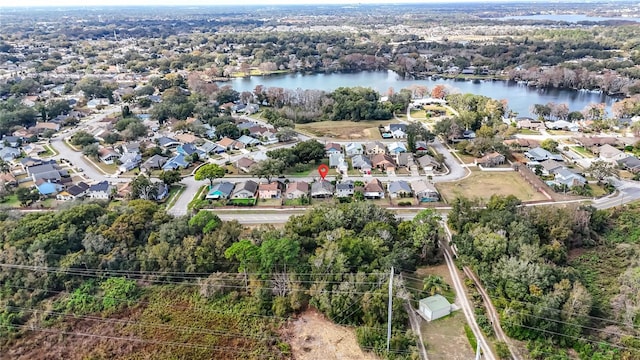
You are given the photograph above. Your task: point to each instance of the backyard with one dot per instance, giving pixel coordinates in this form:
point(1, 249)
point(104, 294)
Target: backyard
point(484, 184)
point(344, 130)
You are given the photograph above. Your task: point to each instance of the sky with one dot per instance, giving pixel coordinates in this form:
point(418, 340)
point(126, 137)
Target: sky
point(62, 3)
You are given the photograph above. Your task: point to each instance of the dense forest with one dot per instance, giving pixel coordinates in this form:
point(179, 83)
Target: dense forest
point(562, 277)
point(95, 263)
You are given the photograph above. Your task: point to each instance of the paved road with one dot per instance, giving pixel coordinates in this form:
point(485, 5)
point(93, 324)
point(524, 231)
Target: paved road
point(463, 300)
point(90, 172)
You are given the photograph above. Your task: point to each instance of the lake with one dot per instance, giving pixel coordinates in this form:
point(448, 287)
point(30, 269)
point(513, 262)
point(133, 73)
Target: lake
point(573, 18)
point(519, 96)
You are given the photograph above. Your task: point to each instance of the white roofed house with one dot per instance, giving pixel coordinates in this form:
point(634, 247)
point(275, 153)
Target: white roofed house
point(610, 154)
point(569, 178)
point(353, 149)
point(424, 191)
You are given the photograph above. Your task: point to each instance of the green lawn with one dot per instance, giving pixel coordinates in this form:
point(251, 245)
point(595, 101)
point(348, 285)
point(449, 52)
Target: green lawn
point(528, 132)
point(10, 201)
point(582, 151)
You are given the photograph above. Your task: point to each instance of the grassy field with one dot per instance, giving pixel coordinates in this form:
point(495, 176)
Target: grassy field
point(344, 130)
point(528, 132)
point(484, 184)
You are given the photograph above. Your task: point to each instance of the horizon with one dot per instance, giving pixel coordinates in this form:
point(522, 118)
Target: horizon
point(209, 3)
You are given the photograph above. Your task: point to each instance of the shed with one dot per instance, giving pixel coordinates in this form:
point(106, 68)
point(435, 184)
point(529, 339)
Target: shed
point(434, 307)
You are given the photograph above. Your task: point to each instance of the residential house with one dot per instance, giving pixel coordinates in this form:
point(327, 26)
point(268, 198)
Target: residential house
point(221, 190)
point(27, 162)
point(374, 189)
point(569, 178)
point(332, 148)
point(529, 124)
point(353, 149)
point(11, 141)
point(539, 154)
point(297, 189)
point(189, 149)
point(406, 160)
point(187, 138)
point(94, 103)
point(154, 162)
point(210, 148)
point(549, 167)
point(42, 126)
point(177, 162)
point(610, 154)
point(345, 188)
point(271, 190)
point(9, 153)
point(399, 189)
point(425, 191)
point(490, 160)
point(108, 155)
point(428, 163)
point(521, 144)
point(210, 131)
point(361, 162)
point(421, 147)
point(8, 179)
point(33, 149)
point(374, 148)
point(396, 148)
point(630, 163)
point(590, 142)
point(168, 143)
point(48, 171)
point(251, 109)
point(248, 141)
point(229, 144)
point(562, 125)
point(245, 164)
point(398, 131)
point(383, 162)
point(321, 189)
point(73, 192)
point(129, 161)
point(101, 190)
point(245, 190)
point(336, 160)
point(131, 147)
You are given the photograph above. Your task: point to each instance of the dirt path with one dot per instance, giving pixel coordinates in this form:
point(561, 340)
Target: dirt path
point(313, 337)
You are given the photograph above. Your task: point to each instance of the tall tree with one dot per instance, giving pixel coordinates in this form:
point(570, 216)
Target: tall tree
point(209, 172)
point(268, 169)
point(170, 177)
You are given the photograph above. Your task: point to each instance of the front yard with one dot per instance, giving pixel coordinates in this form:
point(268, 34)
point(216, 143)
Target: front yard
point(481, 184)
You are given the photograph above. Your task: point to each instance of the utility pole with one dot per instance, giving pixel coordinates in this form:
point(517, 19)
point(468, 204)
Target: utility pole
point(390, 309)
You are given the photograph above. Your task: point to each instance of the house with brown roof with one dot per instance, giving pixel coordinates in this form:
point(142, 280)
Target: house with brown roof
point(245, 164)
point(332, 148)
point(374, 148)
point(187, 138)
point(271, 190)
point(374, 189)
point(226, 143)
point(490, 160)
point(41, 126)
point(383, 162)
point(108, 155)
point(297, 189)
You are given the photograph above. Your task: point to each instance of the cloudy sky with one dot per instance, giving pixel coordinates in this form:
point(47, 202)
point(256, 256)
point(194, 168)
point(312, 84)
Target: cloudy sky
point(59, 3)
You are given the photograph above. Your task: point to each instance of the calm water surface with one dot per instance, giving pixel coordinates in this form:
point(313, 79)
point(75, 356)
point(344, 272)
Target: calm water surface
point(519, 96)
